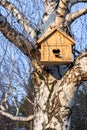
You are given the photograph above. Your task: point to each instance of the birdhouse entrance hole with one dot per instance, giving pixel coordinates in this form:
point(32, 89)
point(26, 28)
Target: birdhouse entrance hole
point(56, 53)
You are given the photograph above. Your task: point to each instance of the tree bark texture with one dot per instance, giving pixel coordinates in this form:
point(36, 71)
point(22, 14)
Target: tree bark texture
point(55, 104)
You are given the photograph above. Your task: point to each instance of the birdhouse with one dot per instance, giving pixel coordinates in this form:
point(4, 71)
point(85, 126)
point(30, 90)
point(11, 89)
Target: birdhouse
point(56, 47)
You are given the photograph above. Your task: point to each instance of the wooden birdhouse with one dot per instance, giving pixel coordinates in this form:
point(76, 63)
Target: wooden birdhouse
point(56, 47)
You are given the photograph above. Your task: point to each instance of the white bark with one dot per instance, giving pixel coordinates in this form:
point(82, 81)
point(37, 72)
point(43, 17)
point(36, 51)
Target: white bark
point(61, 12)
point(16, 118)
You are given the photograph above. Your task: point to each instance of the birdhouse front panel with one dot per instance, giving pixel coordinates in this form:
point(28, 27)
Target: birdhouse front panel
point(54, 54)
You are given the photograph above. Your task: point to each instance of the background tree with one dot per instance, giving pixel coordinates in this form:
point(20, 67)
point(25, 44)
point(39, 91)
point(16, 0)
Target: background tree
point(53, 98)
point(14, 86)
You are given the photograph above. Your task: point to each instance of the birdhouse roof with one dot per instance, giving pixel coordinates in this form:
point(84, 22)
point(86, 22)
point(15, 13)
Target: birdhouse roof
point(45, 35)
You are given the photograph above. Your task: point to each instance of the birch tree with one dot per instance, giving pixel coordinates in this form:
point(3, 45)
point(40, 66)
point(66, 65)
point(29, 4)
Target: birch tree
point(53, 98)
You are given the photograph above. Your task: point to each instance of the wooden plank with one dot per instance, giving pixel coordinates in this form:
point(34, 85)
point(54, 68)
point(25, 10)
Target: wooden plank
point(48, 55)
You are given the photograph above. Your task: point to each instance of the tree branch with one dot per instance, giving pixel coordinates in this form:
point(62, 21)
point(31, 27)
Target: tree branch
point(27, 25)
point(16, 118)
point(17, 38)
point(72, 16)
point(73, 77)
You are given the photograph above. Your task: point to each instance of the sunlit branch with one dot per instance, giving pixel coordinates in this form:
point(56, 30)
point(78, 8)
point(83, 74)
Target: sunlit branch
point(16, 118)
point(72, 16)
point(12, 35)
point(12, 117)
point(27, 25)
point(29, 100)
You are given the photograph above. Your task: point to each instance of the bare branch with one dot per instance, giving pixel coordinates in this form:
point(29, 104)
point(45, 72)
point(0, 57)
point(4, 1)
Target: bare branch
point(19, 17)
point(17, 38)
point(72, 16)
point(16, 118)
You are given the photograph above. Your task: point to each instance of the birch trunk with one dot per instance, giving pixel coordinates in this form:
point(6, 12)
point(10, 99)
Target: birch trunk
point(54, 101)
